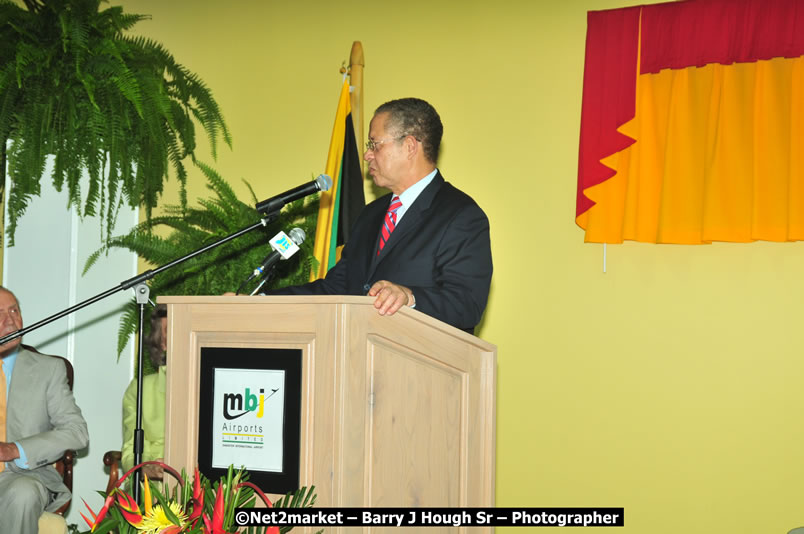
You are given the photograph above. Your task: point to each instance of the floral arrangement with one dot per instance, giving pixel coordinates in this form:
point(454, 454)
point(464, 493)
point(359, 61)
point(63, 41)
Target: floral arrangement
point(204, 508)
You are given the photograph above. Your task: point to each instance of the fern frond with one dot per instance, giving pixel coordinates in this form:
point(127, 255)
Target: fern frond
point(223, 268)
point(128, 325)
point(121, 108)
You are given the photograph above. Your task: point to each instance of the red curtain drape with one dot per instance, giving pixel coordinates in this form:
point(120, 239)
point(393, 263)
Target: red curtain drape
point(625, 46)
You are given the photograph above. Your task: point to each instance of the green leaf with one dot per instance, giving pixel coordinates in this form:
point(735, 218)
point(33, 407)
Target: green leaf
point(119, 108)
point(106, 526)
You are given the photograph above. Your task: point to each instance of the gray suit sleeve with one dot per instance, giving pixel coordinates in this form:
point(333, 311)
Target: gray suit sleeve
point(67, 427)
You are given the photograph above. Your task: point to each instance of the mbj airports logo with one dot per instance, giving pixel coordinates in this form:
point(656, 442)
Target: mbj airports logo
point(243, 414)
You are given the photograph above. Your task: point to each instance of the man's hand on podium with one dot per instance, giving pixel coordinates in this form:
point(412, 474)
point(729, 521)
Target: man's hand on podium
point(390, 297)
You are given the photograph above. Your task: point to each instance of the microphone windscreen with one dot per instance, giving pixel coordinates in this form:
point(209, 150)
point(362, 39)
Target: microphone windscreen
point(297, 234)
point(324, 182)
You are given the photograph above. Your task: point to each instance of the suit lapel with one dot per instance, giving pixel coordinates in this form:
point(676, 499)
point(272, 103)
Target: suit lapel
point(22, 376)
point(412, 221)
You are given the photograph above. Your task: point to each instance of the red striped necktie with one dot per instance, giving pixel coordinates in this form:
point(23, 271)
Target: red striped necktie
point(390, 222)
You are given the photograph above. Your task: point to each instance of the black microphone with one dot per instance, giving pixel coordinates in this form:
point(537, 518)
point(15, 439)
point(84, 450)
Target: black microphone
point(274, 204)
point(279, 241)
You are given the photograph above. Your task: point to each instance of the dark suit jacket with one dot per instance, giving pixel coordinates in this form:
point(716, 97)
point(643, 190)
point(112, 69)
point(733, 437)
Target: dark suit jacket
point(440, 250)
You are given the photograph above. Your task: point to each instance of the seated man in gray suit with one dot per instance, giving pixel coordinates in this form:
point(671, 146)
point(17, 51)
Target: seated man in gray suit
point(39, 420)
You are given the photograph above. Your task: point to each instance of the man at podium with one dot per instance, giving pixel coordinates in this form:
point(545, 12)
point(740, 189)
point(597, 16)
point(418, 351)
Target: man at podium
point(426, 243)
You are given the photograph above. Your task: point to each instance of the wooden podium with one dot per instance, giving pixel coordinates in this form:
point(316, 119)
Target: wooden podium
point(395, 411)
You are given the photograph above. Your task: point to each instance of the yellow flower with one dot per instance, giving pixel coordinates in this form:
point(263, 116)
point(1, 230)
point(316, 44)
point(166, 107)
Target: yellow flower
point(157, 521)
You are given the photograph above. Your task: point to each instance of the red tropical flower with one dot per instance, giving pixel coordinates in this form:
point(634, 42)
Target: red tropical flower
point(217, 515)
point(96, 519)
point(129, 508)
point(198, 499)
point(217, 512)
point(163, 465)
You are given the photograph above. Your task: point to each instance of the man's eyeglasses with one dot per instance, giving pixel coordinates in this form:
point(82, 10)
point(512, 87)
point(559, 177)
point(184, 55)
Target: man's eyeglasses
point(375, 145)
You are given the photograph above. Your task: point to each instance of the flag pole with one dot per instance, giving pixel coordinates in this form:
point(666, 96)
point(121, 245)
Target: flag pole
point(356, 64)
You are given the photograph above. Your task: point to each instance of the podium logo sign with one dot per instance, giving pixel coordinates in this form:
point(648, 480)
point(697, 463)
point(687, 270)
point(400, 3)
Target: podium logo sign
point(233, 404)
point(247, 421)
point(249, 414)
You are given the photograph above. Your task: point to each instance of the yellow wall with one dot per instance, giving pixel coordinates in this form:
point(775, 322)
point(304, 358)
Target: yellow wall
point(670, 385)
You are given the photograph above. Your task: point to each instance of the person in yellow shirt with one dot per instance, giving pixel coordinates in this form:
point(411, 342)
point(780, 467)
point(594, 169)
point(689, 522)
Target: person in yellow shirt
point(153, 403)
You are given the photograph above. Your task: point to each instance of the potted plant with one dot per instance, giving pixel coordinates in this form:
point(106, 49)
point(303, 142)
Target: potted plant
point(206, 507)
point(120, 108)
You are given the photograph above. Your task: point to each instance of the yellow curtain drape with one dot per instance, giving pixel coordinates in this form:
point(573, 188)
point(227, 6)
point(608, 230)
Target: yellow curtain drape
point(717, 157)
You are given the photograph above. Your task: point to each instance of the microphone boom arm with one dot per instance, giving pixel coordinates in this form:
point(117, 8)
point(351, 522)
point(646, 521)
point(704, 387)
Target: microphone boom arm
point(140, 278)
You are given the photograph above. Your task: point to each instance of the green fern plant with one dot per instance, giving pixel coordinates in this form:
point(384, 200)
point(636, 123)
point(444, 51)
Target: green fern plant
point(118, 107)
point(223, 268)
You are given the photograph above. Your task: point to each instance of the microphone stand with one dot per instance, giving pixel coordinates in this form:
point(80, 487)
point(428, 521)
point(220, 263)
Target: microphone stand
point(141, 291)
point(265, 279)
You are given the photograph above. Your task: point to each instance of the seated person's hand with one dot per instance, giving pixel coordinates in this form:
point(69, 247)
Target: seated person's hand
point(154, 472)
point(390, 297)
point(8, 452)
